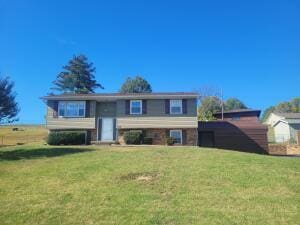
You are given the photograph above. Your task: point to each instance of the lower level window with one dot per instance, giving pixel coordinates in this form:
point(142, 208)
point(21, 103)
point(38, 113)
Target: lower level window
point(177, 135)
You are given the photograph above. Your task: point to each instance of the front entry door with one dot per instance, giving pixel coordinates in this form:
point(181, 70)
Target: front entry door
point(107, 129)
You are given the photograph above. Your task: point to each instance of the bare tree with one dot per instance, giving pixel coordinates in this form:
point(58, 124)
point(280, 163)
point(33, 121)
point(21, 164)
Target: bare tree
point(209, 91)
point(211, 101)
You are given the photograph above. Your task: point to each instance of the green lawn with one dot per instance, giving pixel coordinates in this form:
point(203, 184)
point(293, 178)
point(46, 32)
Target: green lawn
point(146, 185)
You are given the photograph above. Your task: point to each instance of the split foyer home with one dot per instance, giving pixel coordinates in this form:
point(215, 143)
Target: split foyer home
point(286, 127)
point(105, 117)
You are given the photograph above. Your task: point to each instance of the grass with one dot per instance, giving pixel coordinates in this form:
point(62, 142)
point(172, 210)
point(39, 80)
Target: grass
point(25, 134)
point(146, 185)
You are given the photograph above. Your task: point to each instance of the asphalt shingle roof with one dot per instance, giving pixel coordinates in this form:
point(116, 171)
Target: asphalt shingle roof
point(289, 115)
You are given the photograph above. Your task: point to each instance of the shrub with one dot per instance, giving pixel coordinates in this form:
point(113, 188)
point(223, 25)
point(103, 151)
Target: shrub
point(133, 137)
point(66, 138)
point(147, 141)
point(170, 141)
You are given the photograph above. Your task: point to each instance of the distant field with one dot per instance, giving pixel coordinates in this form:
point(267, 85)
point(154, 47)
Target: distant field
point(24, 134)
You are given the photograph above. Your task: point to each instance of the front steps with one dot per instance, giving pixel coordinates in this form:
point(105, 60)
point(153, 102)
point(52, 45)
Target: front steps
point(103, 142)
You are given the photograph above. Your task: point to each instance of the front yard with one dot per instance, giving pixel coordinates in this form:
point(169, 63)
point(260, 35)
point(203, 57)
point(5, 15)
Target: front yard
point(146, 185)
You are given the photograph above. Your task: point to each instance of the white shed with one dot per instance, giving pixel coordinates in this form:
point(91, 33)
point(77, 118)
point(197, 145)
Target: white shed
point(286, 127)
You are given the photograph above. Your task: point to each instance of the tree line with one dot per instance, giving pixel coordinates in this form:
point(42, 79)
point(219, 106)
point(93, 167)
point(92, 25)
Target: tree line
point(292, 106)
point(213, 104)
point(78, 77)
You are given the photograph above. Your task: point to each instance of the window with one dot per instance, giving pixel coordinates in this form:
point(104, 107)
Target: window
point(177, 135)
point(61, 109)
point(135, 107)
point(176, 106)
point(236, 118)
point(71, 109)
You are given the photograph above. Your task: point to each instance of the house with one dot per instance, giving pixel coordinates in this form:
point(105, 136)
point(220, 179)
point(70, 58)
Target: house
point(285, 126)
point(237, 129)
point(105, 117)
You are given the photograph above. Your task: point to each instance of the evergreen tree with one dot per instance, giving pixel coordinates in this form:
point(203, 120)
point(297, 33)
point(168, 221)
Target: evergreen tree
point(77, 77)
point(8, 105)
point(136, 85)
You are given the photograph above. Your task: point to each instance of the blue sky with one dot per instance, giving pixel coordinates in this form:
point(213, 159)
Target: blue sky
point(249, 48)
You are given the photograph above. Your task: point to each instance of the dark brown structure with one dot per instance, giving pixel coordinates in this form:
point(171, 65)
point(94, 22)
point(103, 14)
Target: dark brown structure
point(239, 130)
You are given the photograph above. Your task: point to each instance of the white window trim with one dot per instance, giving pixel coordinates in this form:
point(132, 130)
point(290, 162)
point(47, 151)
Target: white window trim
point(180, 135)
point(175, 113)
point(141, 108)
point(65, 109)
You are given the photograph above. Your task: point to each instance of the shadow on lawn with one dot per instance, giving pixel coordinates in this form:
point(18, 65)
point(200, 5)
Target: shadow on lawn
point(39, 152)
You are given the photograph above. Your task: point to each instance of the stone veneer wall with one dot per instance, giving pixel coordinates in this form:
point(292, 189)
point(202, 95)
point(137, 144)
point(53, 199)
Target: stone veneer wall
point(159, 136)
point(192, 137)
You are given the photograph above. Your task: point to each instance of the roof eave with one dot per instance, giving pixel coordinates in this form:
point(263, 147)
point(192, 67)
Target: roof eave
point(112, 97)
point(239, 112)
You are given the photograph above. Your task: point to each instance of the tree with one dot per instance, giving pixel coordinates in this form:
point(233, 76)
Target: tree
point(234, 103)
point(209, 91)
point(77, 77)
point(267, 112)
point(292, 106)
point(295, 105)
point(136, 85)
point(209, 105)
point(284, 107)
point(213, 104)
point(8, 105)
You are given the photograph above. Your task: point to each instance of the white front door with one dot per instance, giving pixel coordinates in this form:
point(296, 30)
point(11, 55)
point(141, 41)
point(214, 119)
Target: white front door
point(107, 129)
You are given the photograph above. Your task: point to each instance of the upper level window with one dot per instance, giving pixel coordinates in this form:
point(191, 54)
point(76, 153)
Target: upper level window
point(176, 106)
point(71, 109)
point(135, 107)
point(236, 118)
point(177, 135)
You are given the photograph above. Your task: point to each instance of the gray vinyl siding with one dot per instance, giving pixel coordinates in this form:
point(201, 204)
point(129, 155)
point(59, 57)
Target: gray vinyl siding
point(155, 114)
point(106, 109)
point(294, 128)
point(156, 107)
point(69, 123)
point(192, 107)
point(50, 105)
point(92, 108)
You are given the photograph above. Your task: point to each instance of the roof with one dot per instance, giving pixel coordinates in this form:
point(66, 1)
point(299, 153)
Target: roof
point(240, 111)
point(276, 118)
point(115, 96)
point(288, 115)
